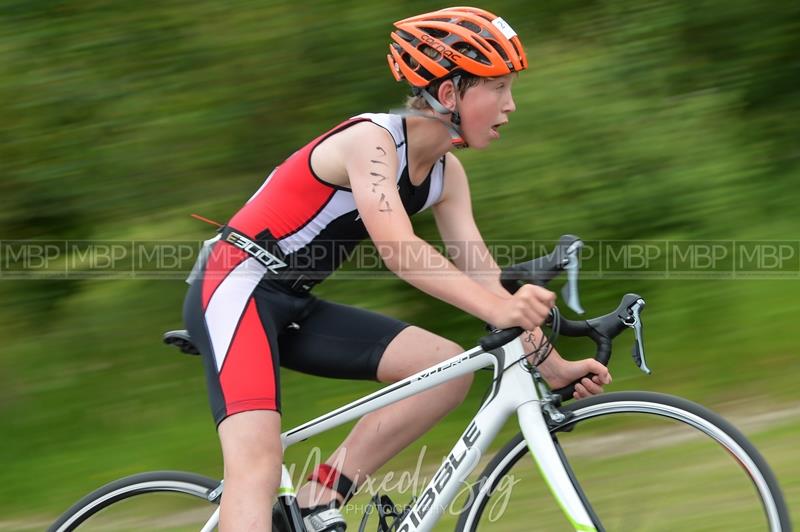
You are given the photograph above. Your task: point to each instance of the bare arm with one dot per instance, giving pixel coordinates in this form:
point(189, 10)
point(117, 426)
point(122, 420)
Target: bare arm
point(457, 228)
point(371, 168)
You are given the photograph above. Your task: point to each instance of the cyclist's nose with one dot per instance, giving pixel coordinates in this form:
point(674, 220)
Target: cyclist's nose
point(509, 106)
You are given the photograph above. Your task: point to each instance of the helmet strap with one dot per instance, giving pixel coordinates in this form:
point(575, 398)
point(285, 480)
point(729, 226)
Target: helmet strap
point(454, 124)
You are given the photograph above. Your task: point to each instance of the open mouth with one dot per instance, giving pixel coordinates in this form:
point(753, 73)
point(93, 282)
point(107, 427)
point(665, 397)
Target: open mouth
point(496, 127)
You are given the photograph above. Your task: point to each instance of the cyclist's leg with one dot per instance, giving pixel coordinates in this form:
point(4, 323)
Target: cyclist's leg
point(244, 396)
point(233, 323)
point(251, 448)
point(379, 436)
point(346, 342)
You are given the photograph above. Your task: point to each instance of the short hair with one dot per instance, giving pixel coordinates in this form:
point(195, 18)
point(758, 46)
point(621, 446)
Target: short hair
point(419, 103)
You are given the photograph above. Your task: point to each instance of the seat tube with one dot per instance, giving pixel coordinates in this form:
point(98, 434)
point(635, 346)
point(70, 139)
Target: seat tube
point(540, 443)
point(287, 500)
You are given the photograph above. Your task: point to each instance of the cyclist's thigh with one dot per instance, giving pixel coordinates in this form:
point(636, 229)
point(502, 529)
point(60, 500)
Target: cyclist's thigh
point(413, 350)
point(339, 341)
point(235, 326)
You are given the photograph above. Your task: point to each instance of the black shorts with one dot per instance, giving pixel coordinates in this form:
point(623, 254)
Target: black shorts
point(246, 327)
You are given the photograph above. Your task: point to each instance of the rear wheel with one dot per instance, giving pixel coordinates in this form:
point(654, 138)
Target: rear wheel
point(160, 500)
point(646, 461)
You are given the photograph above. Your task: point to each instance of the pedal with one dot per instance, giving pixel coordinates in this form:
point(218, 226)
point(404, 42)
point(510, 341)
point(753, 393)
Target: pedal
point(325, 519)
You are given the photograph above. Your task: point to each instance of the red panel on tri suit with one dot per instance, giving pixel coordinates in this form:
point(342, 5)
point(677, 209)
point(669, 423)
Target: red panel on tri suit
point(247, 376)
point(290, 197)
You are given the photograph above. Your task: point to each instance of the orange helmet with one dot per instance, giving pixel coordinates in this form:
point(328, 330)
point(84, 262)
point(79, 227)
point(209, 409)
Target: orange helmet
point(458, 39)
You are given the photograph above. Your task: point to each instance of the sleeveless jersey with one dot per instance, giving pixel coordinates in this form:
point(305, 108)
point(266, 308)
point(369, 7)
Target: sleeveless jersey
point(315, 224)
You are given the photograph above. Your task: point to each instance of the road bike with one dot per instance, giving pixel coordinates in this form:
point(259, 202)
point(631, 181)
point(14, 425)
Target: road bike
point(705, 473)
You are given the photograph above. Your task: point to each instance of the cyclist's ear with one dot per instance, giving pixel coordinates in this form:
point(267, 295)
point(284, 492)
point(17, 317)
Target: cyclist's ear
point(447, 94)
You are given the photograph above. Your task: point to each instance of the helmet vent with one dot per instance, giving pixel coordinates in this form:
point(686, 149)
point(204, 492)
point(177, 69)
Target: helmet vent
point(436, 32)
point(406, 36)
point(410, 61)
point(469, 25)
point(430, 52)
point(499, 49)
point(470, 51)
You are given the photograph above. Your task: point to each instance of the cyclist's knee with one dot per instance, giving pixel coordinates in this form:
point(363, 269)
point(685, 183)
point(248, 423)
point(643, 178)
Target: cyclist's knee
point(439, 351)
point(251, 447)
point(458, 388)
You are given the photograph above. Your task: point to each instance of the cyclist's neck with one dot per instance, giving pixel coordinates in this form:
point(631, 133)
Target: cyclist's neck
point(428, 140)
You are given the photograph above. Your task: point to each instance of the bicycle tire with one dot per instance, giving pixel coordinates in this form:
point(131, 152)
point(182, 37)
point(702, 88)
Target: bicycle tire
point(132, 486)
point(474, 515)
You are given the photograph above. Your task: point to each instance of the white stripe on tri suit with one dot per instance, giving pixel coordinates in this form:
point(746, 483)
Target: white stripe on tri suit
point(228, 303)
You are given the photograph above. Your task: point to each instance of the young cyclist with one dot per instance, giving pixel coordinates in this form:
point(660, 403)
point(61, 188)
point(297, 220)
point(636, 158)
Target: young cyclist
point(250, 309)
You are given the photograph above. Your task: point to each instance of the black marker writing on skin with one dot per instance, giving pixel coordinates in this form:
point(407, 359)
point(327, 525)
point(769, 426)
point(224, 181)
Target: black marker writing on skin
point(383, 202)
point(387, 208)
point(378, 182)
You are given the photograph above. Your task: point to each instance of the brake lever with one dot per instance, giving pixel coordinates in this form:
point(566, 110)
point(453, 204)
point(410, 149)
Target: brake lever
point(572, 267)
point(634, 321)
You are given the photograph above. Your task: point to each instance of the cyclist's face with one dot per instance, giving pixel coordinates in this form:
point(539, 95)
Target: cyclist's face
point(484, 108)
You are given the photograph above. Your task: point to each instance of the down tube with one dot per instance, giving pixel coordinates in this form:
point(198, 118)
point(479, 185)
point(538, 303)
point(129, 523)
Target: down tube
point(540, 443)
point(448, 481)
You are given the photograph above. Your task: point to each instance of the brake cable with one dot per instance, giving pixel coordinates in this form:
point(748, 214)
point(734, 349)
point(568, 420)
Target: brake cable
point(538, 350)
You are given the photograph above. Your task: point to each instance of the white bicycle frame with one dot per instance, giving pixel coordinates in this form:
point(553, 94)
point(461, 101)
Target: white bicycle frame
point(513, 392)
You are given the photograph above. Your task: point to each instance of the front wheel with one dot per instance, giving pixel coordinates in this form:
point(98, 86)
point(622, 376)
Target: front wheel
point(644, 461)
point(161, 500)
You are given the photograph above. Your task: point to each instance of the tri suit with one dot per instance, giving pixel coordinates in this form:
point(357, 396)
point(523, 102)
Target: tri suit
point(251, 312)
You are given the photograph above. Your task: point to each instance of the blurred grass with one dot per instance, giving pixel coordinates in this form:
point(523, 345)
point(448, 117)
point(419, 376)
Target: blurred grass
point(654, 120)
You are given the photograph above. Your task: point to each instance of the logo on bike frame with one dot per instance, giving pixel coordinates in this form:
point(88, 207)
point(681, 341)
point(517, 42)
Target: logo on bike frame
point(442, 477)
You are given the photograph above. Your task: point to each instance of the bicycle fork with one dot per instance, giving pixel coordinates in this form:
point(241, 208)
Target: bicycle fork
point(554, 469)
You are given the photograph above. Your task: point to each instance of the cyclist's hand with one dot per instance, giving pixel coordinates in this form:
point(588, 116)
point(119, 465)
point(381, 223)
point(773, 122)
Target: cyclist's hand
point(559, 373)
point(527, 308)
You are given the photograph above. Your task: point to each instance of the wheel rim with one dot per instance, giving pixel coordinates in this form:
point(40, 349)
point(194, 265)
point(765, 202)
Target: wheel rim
point(736, 451)
point(584, 415)
point(156, 504)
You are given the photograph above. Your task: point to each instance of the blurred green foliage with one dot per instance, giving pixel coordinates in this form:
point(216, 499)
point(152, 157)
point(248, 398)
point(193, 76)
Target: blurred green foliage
point(650, 119)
